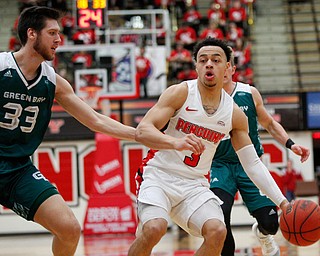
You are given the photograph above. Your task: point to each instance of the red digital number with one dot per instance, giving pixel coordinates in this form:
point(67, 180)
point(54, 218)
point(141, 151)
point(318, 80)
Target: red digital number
point(86, 16)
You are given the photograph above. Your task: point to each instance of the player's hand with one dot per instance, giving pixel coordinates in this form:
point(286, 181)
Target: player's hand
point(301, 151)
point(190, 142)
point(285, 206)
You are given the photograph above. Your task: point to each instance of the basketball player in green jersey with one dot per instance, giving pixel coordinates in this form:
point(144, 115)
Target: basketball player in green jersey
point(227, 175)
point(28, 86)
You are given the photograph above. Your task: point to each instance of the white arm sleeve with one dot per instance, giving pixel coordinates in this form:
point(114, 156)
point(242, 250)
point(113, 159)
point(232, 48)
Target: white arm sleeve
point(259, 174)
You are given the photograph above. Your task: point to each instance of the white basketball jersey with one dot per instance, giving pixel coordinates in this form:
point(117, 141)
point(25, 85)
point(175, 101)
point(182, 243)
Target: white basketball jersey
point(192, 118)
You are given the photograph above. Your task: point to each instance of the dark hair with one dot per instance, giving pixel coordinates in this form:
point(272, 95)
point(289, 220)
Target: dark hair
point(233, 59)
point(35, 17)
point(210, 41)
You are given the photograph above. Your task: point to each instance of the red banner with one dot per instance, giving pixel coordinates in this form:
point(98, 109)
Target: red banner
point(110, 209)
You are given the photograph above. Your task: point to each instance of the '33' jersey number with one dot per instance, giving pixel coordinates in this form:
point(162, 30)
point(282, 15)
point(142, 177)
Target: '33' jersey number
point(14, 113)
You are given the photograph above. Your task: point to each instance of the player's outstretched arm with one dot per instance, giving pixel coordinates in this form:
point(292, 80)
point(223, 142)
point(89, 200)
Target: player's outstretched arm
point(276, 129)
point(149, 129)
point(250, 161)
point(95, 121)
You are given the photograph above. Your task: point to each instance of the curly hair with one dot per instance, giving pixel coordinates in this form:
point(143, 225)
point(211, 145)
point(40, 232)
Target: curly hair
point(210, 41)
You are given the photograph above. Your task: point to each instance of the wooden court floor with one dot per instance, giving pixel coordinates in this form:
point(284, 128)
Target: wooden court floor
point(170, 245)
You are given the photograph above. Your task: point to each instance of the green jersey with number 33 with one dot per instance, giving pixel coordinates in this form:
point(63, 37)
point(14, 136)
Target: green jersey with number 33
point(25, 107)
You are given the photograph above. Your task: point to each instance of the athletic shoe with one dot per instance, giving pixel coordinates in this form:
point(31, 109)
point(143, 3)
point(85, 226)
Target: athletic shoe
point(268, 245)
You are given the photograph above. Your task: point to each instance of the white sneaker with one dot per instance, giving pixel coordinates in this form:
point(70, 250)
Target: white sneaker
point(268, 245)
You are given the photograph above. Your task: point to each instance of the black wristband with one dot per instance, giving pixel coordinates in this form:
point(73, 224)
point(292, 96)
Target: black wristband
point(289, 143)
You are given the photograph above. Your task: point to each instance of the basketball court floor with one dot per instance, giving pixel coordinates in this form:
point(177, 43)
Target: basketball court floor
point(170, 245)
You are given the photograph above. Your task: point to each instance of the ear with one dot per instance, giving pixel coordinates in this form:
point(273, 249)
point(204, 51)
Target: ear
point(234, 69)
point(32, 34)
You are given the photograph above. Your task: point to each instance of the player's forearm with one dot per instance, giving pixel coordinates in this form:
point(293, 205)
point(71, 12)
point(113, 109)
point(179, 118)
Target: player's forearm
point(153, 138)
point(259, 174)
point(277, 132)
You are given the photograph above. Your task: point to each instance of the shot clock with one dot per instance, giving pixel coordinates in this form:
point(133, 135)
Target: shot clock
point(91, 13)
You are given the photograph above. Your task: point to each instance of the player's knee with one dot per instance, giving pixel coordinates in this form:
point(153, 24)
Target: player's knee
point(71, 231)
point(214, 231)
point(155, 229)
point(268, 227)
point(268, 224)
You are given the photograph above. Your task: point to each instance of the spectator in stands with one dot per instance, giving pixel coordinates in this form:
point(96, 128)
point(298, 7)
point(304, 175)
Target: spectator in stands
point(180, 8)
point(239, 56)
point(224, 4)
point(178, 57)
point(82, 59)
point(233, 34)
point(237, 14)
point(186, 35)
point(212, 31)
point(247, 53)
point(290, 178)
point(160, 4)
point(193, 17)
point(217, 14)
point(187, 73)
point(243, 74)
point(143, 66)
point(67, 23)
point(84, 36)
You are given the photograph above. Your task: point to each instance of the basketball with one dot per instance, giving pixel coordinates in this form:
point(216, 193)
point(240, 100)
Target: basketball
point(300, 224)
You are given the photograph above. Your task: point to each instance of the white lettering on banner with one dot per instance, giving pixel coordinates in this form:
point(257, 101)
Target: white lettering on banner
point(108, 184)
point(314, 109)
point(108, 167)
point(126, 213)
point(116, 227)
point(101, 214)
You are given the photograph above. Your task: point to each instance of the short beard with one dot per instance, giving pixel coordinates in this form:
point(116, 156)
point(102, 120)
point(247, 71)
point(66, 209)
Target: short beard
point(38, 47)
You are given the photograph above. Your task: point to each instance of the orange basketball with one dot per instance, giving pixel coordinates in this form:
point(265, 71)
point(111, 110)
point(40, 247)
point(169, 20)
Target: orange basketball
point(300, 225)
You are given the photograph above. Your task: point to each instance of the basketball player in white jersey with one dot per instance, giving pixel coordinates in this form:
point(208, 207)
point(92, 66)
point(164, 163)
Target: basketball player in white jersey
point(198, 114)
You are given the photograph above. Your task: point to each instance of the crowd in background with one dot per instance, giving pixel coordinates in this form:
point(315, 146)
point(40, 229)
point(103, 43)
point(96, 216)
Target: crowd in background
point(224, 19)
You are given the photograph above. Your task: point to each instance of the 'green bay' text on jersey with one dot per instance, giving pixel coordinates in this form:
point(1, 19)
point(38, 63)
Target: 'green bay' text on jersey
point(243, 97)
point(25, 109)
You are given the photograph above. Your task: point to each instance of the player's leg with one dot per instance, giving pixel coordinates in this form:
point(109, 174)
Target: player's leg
point(34, 198)
point(228, 200)
point(267, 219)
point(55, 215)
point(265, 212)
point(223, 184)
point(200, 214)
point(154, 222)
point(207, 220)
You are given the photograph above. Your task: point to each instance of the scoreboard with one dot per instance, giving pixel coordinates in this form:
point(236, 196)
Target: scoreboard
point(90, 13)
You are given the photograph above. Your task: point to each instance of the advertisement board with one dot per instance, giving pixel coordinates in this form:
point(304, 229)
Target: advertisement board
point(312, 109)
